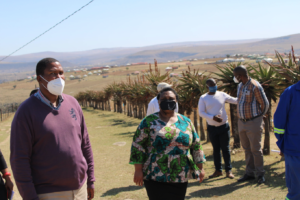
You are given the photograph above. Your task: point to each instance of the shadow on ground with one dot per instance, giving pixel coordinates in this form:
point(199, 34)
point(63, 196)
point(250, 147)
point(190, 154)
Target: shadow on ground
point(123, 123)
point(128, 134)
point(116, 191)
point(215, 190)
point(273, 180)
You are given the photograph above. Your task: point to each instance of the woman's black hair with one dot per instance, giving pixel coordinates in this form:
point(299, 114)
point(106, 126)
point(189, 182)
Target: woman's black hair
point(166, 90)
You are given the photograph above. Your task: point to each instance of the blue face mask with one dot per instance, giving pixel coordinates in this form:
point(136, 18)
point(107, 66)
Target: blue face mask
point(213, 89)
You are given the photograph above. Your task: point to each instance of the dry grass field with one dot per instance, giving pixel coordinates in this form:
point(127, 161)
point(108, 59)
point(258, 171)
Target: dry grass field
point(114, 175)
point(9, 95)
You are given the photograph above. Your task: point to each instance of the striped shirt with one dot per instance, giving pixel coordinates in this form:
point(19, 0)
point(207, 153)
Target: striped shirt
point(252, 100)
point(41, 97)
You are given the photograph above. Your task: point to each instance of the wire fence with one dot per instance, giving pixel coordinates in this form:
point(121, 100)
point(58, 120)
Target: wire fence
point(7, 110)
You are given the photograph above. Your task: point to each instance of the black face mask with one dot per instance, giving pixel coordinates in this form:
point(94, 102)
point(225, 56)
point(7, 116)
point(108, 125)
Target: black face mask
point(167, 105)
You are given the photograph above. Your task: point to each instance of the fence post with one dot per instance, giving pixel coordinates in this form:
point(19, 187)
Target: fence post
point(1, 114)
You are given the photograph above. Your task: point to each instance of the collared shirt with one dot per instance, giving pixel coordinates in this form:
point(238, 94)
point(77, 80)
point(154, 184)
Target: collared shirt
point(41, 97)
point(252, 100)
point(212, 105)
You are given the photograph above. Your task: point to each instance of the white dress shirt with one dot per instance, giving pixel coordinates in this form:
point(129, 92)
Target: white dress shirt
point(212, 105)
point(153, 107)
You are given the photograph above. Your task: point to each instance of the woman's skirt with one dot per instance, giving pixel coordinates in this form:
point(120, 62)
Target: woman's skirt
point(165, 191)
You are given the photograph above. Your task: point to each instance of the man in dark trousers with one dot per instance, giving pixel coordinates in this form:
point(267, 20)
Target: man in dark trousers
point(252, 106)
point(51, 154)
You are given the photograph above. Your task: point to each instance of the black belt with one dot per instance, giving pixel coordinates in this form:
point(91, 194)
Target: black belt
point(246, 120)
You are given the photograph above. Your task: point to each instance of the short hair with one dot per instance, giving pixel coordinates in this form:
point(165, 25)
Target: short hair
point(210, 80)
point(166, 90)
point(42, 65)
point(33, 92)
point(241, 69)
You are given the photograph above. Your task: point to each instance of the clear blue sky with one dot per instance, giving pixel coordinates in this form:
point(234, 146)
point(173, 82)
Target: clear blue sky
point(131, 23)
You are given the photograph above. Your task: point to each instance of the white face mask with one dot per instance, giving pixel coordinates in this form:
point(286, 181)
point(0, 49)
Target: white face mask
point(235, 80)
point(56, 86)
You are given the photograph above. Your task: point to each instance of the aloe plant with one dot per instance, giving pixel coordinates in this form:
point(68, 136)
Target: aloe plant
point(193, 85)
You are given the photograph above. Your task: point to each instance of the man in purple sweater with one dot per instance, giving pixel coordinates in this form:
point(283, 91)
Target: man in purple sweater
point(51, 154)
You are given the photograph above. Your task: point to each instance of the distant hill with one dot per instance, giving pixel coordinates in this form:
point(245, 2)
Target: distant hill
point(162, 52)
point(111, 55)
point(282, 44)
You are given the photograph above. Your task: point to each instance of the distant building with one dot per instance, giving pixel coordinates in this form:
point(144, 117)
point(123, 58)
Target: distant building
point(227, 60)
point(174, 75)
point(168, 69)
point(135, 73)
point(269, 60)
point(240, 60)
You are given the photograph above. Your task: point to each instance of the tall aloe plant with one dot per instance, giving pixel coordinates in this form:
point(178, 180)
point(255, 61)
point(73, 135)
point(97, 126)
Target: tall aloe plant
point(289, 72)
point(194, 83)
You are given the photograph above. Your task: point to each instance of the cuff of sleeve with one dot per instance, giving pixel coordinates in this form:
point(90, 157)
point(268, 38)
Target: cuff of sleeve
point(90, 185)
point(211, 116)
point(133, 163)
point(202, 162)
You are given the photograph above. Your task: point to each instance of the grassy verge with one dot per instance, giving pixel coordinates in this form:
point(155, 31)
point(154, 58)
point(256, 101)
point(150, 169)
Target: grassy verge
point(114, 176)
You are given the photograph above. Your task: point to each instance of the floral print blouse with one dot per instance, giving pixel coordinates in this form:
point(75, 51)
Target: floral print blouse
point(168, 153)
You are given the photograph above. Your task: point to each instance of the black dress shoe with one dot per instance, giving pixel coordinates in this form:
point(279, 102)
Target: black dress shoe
point(246, 178)
point(261, 179)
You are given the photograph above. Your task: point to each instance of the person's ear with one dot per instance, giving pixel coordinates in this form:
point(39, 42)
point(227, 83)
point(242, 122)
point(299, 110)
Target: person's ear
point(39, 79)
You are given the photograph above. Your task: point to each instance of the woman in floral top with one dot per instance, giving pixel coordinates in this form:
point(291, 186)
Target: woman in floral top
point(166, 151)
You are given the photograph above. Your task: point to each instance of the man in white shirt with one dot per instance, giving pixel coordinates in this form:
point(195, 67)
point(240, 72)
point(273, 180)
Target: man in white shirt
point(212, 107)
point(153, 106)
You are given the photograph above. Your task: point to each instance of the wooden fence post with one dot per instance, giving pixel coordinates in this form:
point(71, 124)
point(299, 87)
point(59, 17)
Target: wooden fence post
point(1, 114)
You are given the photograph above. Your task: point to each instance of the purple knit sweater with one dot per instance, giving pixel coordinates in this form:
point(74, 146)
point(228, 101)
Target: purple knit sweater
point(50, 149)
